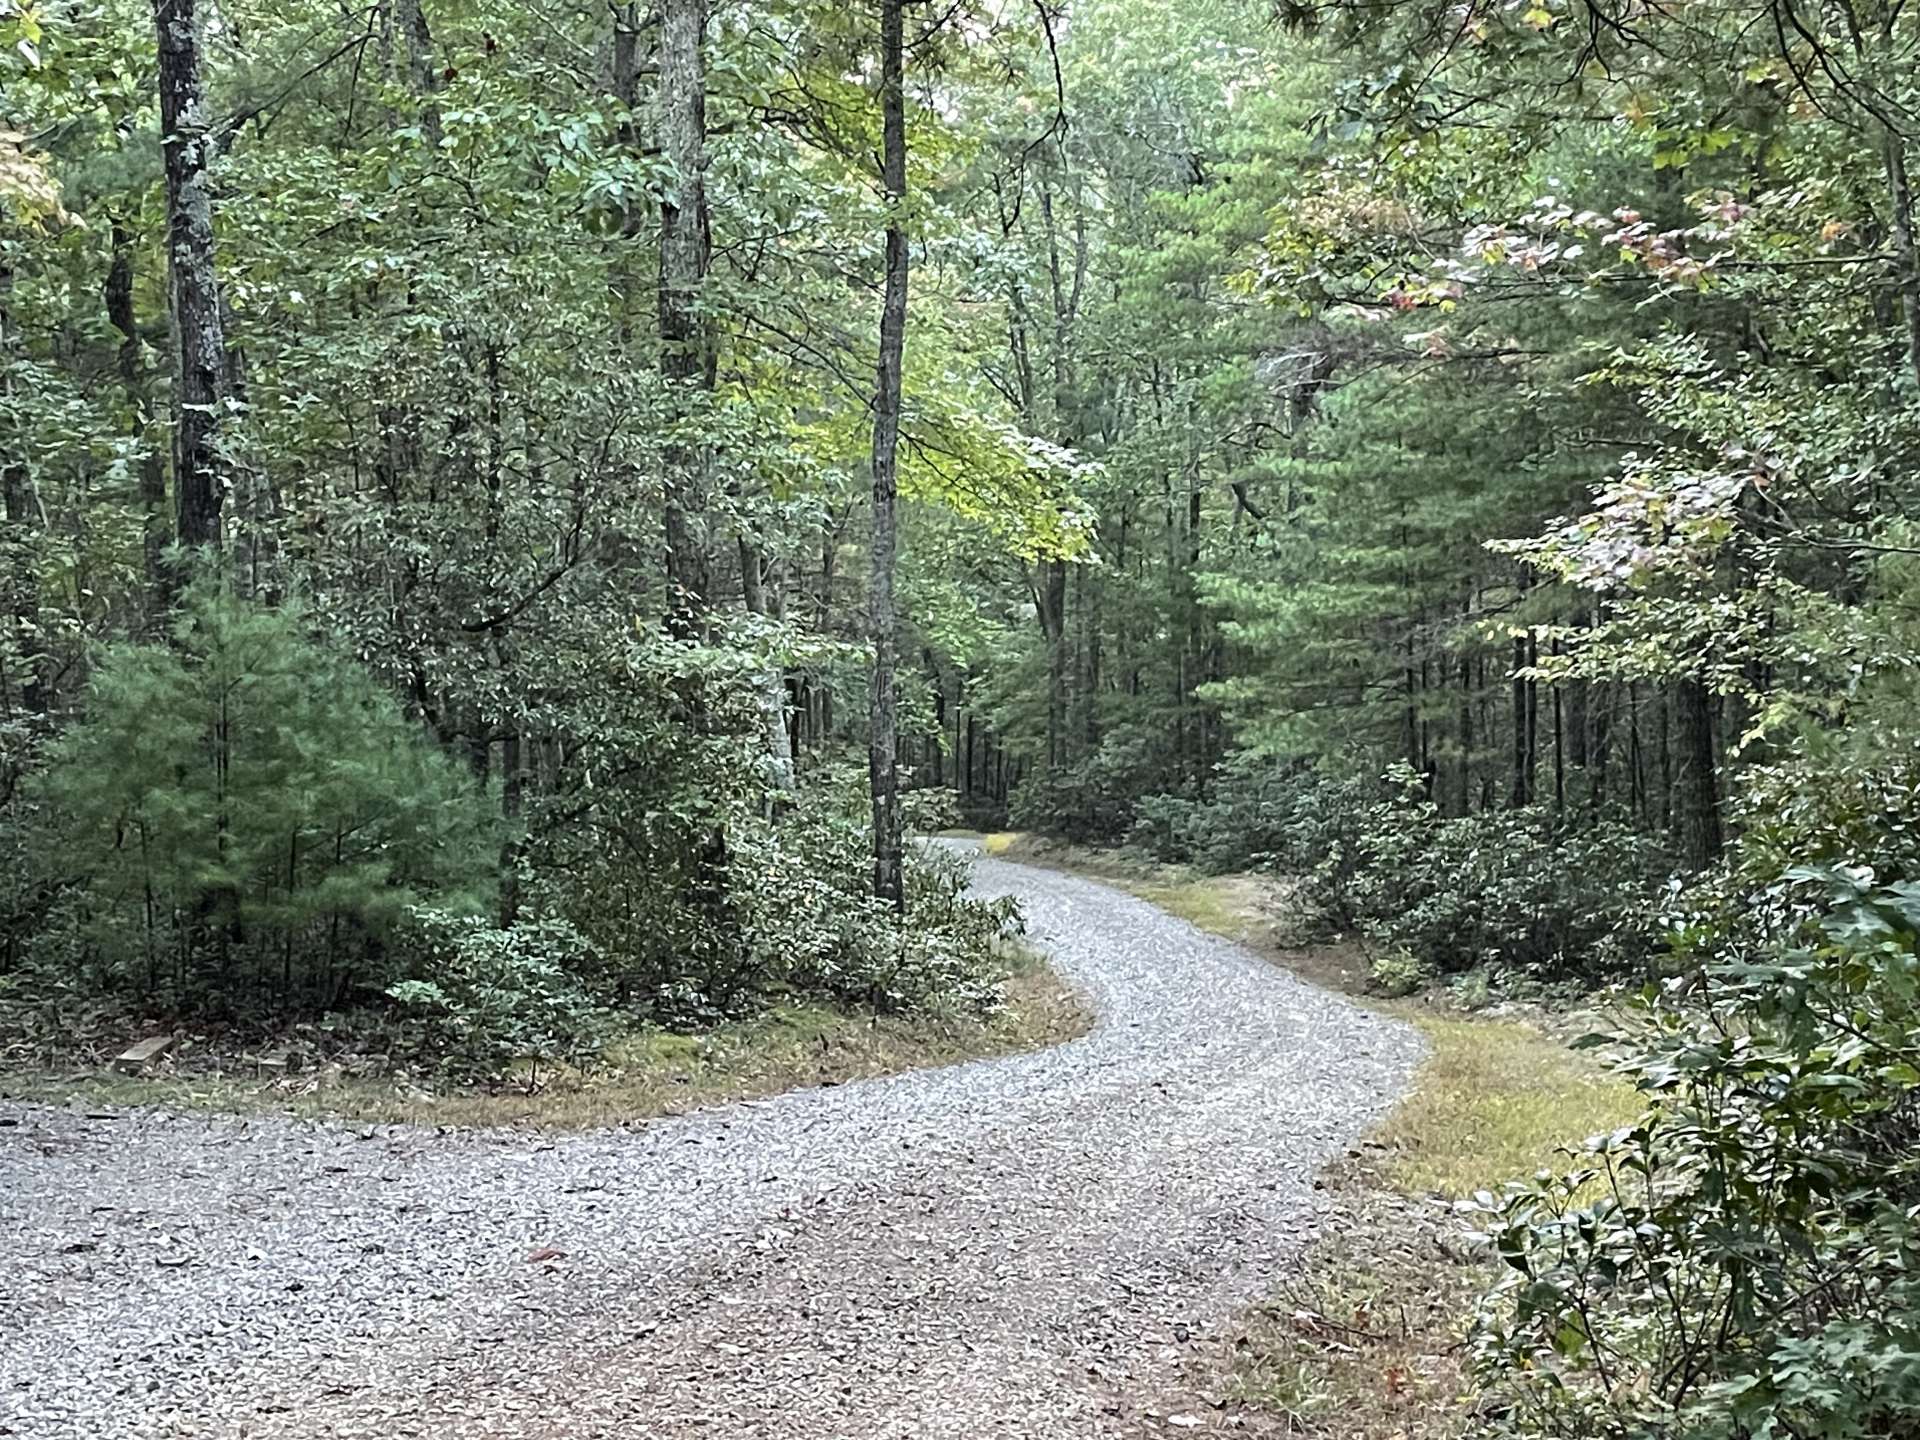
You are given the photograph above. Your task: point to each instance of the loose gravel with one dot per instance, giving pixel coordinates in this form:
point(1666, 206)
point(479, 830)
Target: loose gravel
point(1021, 1247)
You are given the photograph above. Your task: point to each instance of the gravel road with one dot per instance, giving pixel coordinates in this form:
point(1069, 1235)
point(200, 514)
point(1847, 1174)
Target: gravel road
point(1022, 1247)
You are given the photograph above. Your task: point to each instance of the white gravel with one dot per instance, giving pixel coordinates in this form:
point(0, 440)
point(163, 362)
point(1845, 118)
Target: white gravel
point(1020, 1247)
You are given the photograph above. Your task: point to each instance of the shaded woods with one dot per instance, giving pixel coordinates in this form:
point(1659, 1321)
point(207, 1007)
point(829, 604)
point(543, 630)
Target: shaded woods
point(513, 519)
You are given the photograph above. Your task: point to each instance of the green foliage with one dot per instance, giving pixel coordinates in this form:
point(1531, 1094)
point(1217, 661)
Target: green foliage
point(1090, 801)
point(1508, 889)
point(1399, 972)
point(1530, 890)
point(242, 817)
point(1264, 813)
point(812, 915)
point(1739, 1263)
point(489, 997)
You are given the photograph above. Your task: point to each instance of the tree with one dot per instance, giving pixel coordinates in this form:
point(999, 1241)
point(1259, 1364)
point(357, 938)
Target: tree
point(201, 383)
point(687, 355)
point(883, 761)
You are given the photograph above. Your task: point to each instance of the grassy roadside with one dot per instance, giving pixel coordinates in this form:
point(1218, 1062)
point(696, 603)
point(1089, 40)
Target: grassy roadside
point(649, 1075)
point(1363, 1342)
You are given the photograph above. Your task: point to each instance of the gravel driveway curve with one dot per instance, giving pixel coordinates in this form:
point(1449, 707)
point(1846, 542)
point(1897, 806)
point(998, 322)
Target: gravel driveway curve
point(1019, 1247)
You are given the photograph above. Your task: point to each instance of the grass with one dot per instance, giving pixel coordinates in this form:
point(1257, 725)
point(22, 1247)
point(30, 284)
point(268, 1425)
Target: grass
point(1495, 1099)
point(1363, 1342)
point(648, 1075)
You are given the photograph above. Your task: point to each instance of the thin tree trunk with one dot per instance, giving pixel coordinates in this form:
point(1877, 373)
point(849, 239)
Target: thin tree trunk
point(22, 577)
point(760, 589)
point(416, 49)
point(512, 809)
point(1052, 597)
point(157, 528)
point(1906, 257)
point(1521, 792)
point(1466, 735)
point(883, 770)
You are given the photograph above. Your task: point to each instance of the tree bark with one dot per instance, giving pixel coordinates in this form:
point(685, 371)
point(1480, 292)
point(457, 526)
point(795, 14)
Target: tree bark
point(22, 573)
point(687, 356)
point(421, 76)
point(200, 379)
point(1696, 783)
point(1906, 257)
point(883, 767)
point(1052, 597)
point(760, 590)
point(1521, 794)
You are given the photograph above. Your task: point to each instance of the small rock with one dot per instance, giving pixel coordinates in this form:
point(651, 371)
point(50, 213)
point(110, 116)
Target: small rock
point(138, 1056)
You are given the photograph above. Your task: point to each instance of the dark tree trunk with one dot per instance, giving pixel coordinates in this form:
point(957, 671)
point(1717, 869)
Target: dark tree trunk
point(760, 590)
point(200, 380)
point(1697, 801)
point(1521, 792)
point(883, 769)
point(421, 77)
point(1559, 746)
point(1052, 598)
point(512, 809)
point(22, 576)
point(1906, 256)
point(157, 528)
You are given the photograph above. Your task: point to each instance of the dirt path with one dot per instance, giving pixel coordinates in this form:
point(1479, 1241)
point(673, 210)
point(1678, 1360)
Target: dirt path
point(1014, 1248)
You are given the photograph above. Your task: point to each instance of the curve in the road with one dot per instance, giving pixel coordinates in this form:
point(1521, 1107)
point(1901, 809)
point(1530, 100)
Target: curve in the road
point(1005, 1248)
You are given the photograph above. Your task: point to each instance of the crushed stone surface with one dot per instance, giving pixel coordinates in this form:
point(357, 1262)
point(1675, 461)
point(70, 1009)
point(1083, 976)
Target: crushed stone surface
point(1018, 1247)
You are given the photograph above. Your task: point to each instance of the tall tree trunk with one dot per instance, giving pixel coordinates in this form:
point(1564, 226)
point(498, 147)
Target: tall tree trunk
point(1906, 256)
point(1066, 291)
point(883, 768)
point(1523, 716)
point(415, 50)
point(512, 812)
point(200, 380)
point(1464, 801)
point(1051, 595)
point(156, 528)
point(22, 573)
point(687, 356)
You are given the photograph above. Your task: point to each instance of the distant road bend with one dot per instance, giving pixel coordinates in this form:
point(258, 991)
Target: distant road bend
point(1013, 1248)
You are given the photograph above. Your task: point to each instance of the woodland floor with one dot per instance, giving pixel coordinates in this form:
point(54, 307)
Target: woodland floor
point(1037, 1245)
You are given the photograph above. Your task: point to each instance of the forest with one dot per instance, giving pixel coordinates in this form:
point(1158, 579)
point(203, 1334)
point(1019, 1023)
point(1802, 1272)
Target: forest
point(518, 514)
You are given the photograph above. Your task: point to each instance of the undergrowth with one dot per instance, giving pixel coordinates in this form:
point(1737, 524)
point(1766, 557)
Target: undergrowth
point(640, 1076)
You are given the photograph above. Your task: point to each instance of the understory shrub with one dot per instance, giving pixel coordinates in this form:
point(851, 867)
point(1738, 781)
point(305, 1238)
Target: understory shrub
point(1398, 972)
point(485, 997)
point(812, 907)
point(1743, 1262)
point(1261, 813)
point(1091, 801)
point(1507, 888)
point(795, 918)
point(1532, 889)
